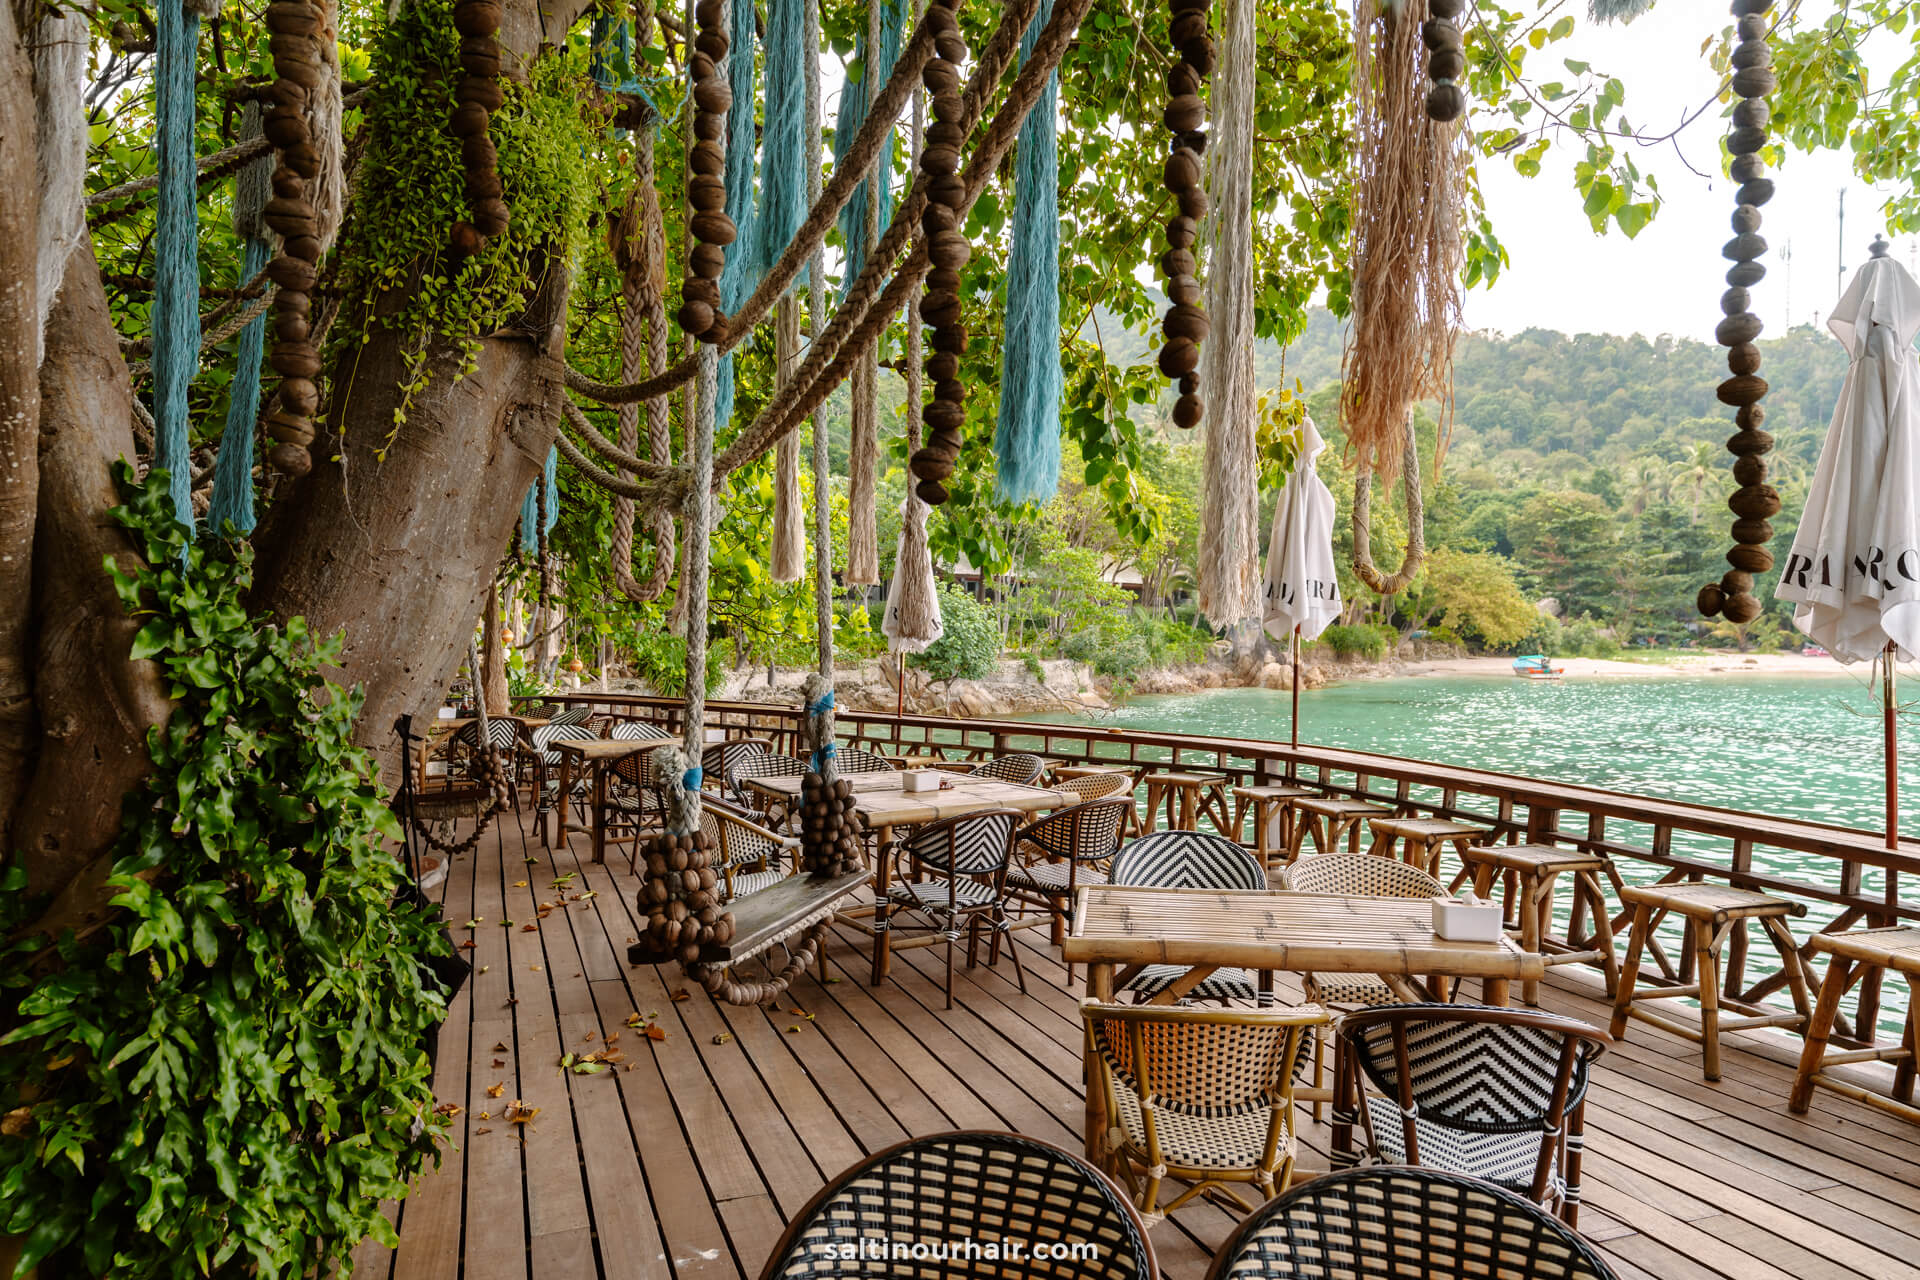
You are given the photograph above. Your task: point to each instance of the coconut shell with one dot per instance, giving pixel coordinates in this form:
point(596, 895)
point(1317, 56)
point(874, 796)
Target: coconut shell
point(1741, 608)
point(1750, 559)
point(1188, 411)
point(492, 216)
point(468, 121)
point(953, 339)
point(940, 76)
point(1446, 101)
point(1744, 248)
point(1749, 54)
point(292, 302)
point(1746, 218)
point(940, 309)
point(1193, 203)
point(300, 395)
point(937, 217)
point(289, 227)
point(1755, 502)
point(1734, 301)
point(707, 158)
point(1185, 113)
point(1175, 263)
point(713, 44)
point(1755, 193)
point(1446, 64)
point(1744, 142)
point(695, 317)
point(1186, 322)
point(949, 249)
point(712, 95)
point(1750, 439)
point(1184, 291)
point(290, 326)
point(1182, 79)
point(1439, 33)
point(1752, 113)
point(484, 186)
point(294, 360)
point(1182, 232)
point(1747, 168)
point(1709, 600)
point(305, 74)
point(1746, 274)
point(476, 17)
point(481, 64)
point(1445, 8)
point(699, 290)
point(942, 366)
point(1750, 27)
point(1752, 532)
point(946, 189)
point(290, 460)
point(707, 195)
point(1744, 388)
point(291, 18)
point(941, 280)
point(1754, 82)
point(305, 247)
point(708, 128)
point(943, 415)
point(291, 273)
point(948, 106)
point(1179, 356)
point(289, 427)
point(1743, 357)
point(714, 228)
point(951, 46)
point(710, 14)
point(1182, 170)
point(1186, 27)
point(285, 127)
point(707, 261)
point(478, 154)
point(950, 389)
point(939, 161)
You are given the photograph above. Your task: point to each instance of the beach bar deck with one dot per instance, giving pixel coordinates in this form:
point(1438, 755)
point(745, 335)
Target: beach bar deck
point(712, 1125)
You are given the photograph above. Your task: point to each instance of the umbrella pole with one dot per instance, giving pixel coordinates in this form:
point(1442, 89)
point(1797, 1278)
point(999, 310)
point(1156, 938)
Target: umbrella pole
point(1891, 741)
point(900, 688)
point(1294, 641)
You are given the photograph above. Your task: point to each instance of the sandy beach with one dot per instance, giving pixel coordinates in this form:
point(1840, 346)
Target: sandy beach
point(1706, 662)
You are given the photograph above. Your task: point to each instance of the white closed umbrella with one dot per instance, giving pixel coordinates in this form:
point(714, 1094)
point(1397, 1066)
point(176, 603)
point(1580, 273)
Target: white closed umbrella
point(1303, 589)
point(1854, 570)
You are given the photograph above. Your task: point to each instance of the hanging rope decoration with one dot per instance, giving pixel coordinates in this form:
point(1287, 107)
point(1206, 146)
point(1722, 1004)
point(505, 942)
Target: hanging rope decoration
point(677, 890)
point(1446, 60)
point(293, 26)
point(711, 230)
point(1755, 502)
point(947, 248)
point(1185, 324)
point(475, 100)
point(829, 827)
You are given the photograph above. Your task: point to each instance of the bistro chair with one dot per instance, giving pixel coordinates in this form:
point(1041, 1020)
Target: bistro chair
point(747, 856)
point(546, 757)
point(718, 760)
point(1067, 839)
point(633, 805)
point(503, 736)
point(1018, 768)
point(861, 760)
point(1404, 1224)
point(540, 711)
point(1203, 1095)
point(1356, 875)
point(1096, 786)
point(1496, 1094)
point(765, 765)
point(637, 731)
point(571, 715)
point(914, 1202)
point(1188, 860)
point(967, 856)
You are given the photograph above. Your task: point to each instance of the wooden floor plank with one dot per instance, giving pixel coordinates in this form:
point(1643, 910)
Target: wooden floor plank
point(683, 1161)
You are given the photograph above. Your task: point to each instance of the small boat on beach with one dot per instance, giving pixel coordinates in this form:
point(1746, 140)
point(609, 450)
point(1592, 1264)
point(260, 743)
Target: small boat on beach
point(1534, 666)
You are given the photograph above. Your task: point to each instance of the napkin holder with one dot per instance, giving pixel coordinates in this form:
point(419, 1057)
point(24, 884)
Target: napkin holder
point(446, 713)
point(917, 780)
point(1468, 918)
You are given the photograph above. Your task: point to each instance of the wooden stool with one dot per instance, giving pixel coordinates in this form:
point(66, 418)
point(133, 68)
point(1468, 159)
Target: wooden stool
point(1529, 872)
point(1327, 819)
point(1855, 956)
point(1186, 796)
point(1272, 820)
point(1713, 912)
point(1423, 840)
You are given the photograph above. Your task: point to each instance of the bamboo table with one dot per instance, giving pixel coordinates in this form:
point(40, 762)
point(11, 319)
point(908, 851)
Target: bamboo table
point(881, 799)
point(1209, 929)
point(595, 754)
point(440, 732)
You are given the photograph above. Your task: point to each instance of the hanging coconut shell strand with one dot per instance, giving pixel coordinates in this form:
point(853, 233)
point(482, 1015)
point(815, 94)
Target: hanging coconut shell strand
point(1755, 502)
point(293, 28)
point(1446, 60)
point(1185, 323)
point(677, 889)
point(475, 100)
point(947, 248)
point(710, 230)
point(829, 827)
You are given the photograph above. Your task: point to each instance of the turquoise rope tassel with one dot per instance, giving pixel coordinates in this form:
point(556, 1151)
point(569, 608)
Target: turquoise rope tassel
point(783, 159)
point(176, 253)
point(854, 99)
point(1027, 443)
point(233, 470)
point(531, 527)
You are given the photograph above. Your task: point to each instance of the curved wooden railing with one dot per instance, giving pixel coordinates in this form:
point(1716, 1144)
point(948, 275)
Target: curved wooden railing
point(1846, 876)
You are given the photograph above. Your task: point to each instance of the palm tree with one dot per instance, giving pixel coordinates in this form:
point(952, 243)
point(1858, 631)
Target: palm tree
point(1694, 475)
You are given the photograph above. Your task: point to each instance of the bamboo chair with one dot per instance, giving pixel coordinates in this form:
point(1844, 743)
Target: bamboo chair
point(1496, 1094)
point(765, 765)
point(1203, 1095)
point(1188, 860)
point(1080, 835)
point(747, 855)
point(546, 787)
point(1018, 768)
point(968, 856)
point(1404, 1224)
point(1355, 875)
point(633, 805)
point(861, 760)
point(1095, 786)
point(963, 1188)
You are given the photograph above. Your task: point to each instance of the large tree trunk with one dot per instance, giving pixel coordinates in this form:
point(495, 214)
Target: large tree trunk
point(396, 552)
point(19, 421)
point(95, 706)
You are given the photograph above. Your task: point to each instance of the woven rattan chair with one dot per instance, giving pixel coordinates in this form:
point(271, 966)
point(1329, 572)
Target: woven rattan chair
point(967, 857)
point(1096, 786)
point(1188, 860)
point(924, 1196)
point(547, 765)
point(571, 715)
point(861, 760)
point(719, 759)
point(503, 736)
point(1404, 1224)
point(747, 855)
point(1497, 1094)
point(633, 805)
point(1203, 1095)
point(637, 731)
point(541, 711)
point(1021, 768)
point(1355, 875)
point(765, 765)
point(1057, 847)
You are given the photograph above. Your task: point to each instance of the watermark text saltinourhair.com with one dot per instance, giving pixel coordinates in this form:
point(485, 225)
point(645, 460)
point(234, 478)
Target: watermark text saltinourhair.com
point(959, 1249)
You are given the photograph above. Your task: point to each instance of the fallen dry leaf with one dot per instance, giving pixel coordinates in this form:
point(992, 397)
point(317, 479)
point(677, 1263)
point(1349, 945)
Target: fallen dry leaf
point(592, 1035)
point(529, 928)
point(521, 884)
point(478, 1132)
point(519, 1112)
point(793, 1030)
point(483, 1115)
point(15, 1122)
point(448, 1109)
point(682, 994)
point(656, 1032)
point(499, 1062)
point(469, 945)
point(536, 968)
point(723, 1037)
point(495, 1090)
point(500, 1048)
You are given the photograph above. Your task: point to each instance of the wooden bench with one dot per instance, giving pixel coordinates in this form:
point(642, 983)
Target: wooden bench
point(1857, 955)
point(1419, 842)
point(765, 917)
point(1328, 819)
point(1712, 912)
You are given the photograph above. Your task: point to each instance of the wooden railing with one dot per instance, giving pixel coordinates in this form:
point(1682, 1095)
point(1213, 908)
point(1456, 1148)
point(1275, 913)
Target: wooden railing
point(1848, 877)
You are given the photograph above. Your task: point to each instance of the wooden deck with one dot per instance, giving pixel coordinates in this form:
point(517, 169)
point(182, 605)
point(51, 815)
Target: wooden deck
point(686, 1156)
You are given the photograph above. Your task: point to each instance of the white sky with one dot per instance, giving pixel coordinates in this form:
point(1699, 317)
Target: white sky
point(1669, 279)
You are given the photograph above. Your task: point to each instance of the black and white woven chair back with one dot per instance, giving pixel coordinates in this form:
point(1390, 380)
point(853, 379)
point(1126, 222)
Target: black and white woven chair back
point(542, 711)
point(1021, 768)
point(1191, 1062)
point(1187, 860)
point(764, 765)
point(903, 1211)
point(861, 760)
point(1398, 1223)
point(974, 844)
point(1469, 1071)
point(571, 715)
point(718, 761)
point(1088, 832)
point(637, 731)
point(547, 734)
point(504, 735)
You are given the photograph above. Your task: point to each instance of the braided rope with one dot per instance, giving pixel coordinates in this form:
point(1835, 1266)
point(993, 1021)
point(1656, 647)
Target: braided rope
point(635, 269)
point(645, 468)
point(652, 492)
point(817, 317)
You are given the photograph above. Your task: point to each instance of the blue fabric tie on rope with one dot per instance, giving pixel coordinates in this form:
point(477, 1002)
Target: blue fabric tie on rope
point(176, 251)
point(1027, 444)
point(820, 706)
point(784, 152)
point(854, 98)
point(691, 780)
point(741, 273)
point(232, 499)
point(531, 526)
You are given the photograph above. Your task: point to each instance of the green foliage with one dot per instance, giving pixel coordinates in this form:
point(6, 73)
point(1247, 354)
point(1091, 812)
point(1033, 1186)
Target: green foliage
point(1355, 641)
point(1475, 592)
point(234, 1077)
point(411, 190)
point(969, 643)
